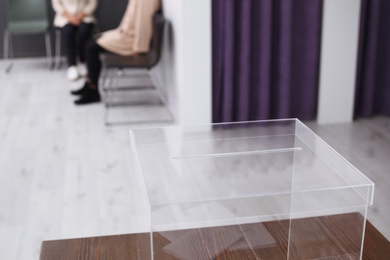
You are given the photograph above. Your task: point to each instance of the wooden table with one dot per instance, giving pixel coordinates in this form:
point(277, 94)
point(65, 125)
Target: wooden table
point(225, 242)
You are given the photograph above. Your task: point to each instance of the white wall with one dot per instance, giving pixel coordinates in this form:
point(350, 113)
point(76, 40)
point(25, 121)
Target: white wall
point(168, 70)
point(339, 51)
point(185, 67)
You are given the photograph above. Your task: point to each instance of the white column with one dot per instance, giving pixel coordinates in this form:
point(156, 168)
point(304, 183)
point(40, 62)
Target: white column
point(196, 92)
point(185, 66)
point(339, 49)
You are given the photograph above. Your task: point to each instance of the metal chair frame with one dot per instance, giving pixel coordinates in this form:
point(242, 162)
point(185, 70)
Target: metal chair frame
point(57, 60)
point(110, 90)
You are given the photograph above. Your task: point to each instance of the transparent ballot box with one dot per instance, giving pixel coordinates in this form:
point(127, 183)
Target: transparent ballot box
point(249, 190)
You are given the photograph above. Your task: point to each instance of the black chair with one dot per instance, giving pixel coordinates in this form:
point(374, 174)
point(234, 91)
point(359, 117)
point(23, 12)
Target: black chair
point(119, 63)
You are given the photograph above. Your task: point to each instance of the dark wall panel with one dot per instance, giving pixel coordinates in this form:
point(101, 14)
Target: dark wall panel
point(108, 14)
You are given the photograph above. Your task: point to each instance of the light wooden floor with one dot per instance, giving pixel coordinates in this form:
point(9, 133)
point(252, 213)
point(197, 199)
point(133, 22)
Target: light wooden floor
point(64, 174)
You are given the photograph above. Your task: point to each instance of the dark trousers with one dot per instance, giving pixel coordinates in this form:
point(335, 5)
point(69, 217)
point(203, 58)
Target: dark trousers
point(94, 63)
point(76, 39)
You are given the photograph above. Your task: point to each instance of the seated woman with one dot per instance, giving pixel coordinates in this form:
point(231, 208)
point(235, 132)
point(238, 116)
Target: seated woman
point(132, 37)
point(75, 18)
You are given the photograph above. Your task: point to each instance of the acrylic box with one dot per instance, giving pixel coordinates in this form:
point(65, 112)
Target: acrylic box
point(249, 190)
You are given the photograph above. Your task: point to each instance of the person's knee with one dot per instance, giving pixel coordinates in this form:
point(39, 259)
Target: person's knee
point(68, 31)
point(91, 44)
point(85, 31)
point(92, 47)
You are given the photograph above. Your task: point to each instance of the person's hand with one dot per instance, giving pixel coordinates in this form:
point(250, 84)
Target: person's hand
point(80, 16)
point(74, 20)
point(78, 19)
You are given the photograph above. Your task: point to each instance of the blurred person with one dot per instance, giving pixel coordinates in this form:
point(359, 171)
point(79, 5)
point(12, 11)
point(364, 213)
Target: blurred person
point(131, 37)
point(76, 21)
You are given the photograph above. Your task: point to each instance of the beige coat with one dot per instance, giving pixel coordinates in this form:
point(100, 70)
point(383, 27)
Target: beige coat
point(73, 7)
point(135, 30)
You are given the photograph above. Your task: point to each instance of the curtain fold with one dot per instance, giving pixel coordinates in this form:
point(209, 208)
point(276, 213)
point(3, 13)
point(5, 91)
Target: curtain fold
point(373, 71)
point(265, 59)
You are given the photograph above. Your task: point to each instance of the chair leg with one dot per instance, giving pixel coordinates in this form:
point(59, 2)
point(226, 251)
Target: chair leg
point(6, 53)
point(6, 45)
point(48, 50)
point(106, 87)
point(111, 90)
point(58, 49)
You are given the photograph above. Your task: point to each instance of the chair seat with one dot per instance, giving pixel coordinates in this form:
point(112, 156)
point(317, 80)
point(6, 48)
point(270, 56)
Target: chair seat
point(26, 26)
point(147, 60)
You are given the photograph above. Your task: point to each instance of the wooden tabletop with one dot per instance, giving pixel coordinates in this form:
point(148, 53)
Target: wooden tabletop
point(261, 241)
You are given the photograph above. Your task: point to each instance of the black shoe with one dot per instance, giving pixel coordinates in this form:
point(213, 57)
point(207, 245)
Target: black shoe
point(89, 96)
point(80, 91)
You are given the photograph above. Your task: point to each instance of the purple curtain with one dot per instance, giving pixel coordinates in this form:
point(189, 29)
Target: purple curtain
point(265, 59)
point(373, 73)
